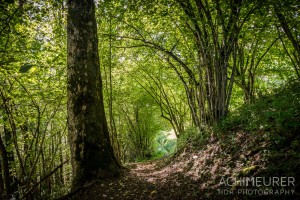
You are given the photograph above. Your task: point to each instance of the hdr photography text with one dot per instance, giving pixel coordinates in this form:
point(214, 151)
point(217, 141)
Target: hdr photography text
point(258, 186)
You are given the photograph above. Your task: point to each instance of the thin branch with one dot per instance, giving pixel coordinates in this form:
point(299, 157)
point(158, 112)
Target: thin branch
point(10, 18)
point(45, 177)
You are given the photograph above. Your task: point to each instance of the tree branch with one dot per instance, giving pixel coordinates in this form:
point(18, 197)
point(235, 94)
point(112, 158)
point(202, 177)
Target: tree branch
point(44, 178)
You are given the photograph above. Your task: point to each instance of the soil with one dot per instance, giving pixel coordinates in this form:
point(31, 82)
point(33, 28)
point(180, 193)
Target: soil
point(143, 181)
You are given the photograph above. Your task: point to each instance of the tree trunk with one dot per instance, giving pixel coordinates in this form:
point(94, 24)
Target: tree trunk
point(91, 152)
point(5, 166)
point(1, 183)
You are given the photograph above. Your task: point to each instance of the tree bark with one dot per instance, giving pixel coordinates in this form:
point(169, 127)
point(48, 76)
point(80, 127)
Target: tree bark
point(91, 152)
point(1, 182)
point(5, 166)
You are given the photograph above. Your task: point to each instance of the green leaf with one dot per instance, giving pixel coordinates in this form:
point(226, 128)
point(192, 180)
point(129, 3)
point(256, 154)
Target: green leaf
point(25, 68)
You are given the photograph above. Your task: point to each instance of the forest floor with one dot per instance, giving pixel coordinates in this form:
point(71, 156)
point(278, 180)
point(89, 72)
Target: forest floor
point(146, 180)
point(196, 172)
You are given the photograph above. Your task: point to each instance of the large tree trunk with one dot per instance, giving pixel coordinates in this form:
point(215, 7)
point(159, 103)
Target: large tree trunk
point(91, 152)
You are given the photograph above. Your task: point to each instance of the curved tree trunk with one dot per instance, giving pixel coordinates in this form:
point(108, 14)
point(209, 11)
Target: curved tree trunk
point(91, 152)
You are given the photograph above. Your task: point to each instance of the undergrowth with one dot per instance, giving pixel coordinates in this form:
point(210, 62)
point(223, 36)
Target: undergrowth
point(275, 121)
point(278, 115)
point(261, 139)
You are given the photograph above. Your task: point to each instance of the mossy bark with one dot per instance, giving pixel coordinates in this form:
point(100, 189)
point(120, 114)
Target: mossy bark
point(91, 152)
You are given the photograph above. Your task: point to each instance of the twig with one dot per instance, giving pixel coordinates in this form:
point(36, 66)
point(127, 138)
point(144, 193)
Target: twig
point(77, 190)
point(45, 177)
point(10, 18)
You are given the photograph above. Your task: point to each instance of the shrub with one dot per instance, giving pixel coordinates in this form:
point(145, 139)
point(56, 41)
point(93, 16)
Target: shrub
point(277, 114)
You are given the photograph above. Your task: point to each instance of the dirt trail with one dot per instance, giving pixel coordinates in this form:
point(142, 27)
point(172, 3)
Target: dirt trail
point(150, 172)
point(144, 181)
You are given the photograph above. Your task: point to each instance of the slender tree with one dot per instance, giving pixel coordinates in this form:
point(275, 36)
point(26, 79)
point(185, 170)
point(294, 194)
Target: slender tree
point(91, 152)
point(5, 165)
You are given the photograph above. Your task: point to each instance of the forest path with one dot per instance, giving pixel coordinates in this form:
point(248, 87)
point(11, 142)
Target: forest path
point(145, 180)
point(150, 172)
